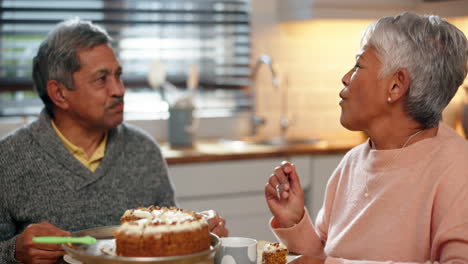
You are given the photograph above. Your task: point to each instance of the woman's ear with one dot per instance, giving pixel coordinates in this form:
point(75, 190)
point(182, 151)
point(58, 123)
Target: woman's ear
point(57, 93)
point(399, 86)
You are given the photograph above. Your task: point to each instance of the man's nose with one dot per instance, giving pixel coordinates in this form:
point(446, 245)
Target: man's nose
point(117, 88)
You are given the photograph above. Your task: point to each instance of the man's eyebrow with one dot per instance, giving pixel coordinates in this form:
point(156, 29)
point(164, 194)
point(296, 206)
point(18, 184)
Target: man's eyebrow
point(107, 71)
point(100, 71)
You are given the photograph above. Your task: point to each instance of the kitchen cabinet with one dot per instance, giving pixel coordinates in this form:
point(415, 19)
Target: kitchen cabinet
point(297, 10)
point(236, 189)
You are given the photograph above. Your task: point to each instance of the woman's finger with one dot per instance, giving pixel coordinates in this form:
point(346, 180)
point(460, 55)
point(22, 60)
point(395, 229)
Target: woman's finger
point(270, 191)
point(280, 175)
point(273, 180)
point(294, 181)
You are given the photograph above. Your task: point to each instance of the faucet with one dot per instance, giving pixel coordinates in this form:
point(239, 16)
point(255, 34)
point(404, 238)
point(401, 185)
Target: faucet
point(285, 122)
point(256, 120)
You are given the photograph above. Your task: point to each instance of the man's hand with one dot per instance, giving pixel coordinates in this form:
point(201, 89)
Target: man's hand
point(29, 252)
point(284, 195)
point(216, 223)
point(307, 260)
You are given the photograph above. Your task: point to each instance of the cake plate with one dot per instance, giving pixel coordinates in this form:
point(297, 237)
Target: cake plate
point(103, 251)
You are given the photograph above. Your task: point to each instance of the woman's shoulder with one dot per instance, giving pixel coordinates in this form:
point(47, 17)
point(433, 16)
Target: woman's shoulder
point(350, 159)
point(451, 143)
point(357, 151)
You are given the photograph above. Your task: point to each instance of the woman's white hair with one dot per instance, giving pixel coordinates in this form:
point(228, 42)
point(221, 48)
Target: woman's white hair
point(434, 53)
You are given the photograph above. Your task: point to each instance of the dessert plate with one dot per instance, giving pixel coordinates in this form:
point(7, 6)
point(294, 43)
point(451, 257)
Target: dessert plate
point(103, 251)
point(290, 258)
point(71, 260)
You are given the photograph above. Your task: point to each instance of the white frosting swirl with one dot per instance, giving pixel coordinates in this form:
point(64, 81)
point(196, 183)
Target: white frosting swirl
point(142, 214)
point(160, 220)
point(272, 247)
point(130, 228)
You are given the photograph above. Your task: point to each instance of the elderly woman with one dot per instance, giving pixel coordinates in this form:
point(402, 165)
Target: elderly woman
point(402, 195)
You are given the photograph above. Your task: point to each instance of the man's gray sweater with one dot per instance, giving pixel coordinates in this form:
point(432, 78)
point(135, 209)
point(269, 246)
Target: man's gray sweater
point(41, 181)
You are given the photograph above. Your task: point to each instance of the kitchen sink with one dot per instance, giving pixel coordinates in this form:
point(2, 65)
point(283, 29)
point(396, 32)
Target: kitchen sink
point(276, 141)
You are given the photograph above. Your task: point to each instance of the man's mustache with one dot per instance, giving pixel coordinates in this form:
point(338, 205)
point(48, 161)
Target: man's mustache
point(119, 100)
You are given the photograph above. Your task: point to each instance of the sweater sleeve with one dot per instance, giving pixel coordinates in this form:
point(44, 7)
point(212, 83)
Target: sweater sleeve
point(305, 238)
point(7, 251)
point(7, 234)
point(300, 238)
point(7, 224)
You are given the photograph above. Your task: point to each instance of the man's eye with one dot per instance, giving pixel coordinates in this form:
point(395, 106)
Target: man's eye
point(357, 66)
point(102, 78)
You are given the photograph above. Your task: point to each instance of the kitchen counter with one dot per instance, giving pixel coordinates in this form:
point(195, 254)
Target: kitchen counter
point(213, 150)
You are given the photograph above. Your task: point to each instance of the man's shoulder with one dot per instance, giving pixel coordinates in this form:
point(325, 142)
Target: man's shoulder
point(12, 144)
point(17, 136)
point(134, 134)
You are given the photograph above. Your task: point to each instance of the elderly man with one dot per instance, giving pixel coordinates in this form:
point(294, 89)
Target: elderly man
point(78, 166)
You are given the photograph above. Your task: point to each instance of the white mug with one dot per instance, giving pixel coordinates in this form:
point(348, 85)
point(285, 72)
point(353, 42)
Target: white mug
point(237, 250)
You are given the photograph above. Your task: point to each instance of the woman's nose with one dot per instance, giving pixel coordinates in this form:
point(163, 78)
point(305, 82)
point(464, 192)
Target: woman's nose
point(345, 79)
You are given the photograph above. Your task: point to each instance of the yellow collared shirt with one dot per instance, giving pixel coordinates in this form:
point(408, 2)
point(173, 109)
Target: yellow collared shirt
point(77, 152)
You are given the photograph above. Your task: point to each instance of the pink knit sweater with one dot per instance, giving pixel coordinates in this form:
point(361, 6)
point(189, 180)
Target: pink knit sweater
point(416, 209)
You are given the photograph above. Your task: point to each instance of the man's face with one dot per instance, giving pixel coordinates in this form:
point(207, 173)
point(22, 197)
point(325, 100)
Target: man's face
point(97, 101)
point(364, 95)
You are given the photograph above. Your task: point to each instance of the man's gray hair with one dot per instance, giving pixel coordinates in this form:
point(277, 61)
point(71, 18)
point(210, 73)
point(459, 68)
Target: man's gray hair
point(433, 52)
point(57, 57)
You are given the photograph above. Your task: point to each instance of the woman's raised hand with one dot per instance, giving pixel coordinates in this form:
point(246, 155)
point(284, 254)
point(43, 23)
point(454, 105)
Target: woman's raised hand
point(284, 195)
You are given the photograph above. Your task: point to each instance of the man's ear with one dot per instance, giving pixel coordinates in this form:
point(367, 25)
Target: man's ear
point(57, 93)
point(399, 86)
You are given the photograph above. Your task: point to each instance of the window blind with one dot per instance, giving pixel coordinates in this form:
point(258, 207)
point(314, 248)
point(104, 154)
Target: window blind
point(214, 35)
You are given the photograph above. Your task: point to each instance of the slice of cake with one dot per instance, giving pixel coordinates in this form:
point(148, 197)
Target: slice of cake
point(274, 253)
point(161, 231)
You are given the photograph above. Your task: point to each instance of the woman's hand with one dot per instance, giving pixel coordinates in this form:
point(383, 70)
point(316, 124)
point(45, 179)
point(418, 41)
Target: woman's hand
point(284, 195)
point(216, 223)
point(29, 252)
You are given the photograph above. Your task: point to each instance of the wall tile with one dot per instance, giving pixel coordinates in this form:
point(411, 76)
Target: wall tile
point(314, 55)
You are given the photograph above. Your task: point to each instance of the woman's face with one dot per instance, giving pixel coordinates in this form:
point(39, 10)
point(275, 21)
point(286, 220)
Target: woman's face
point(364, 96)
